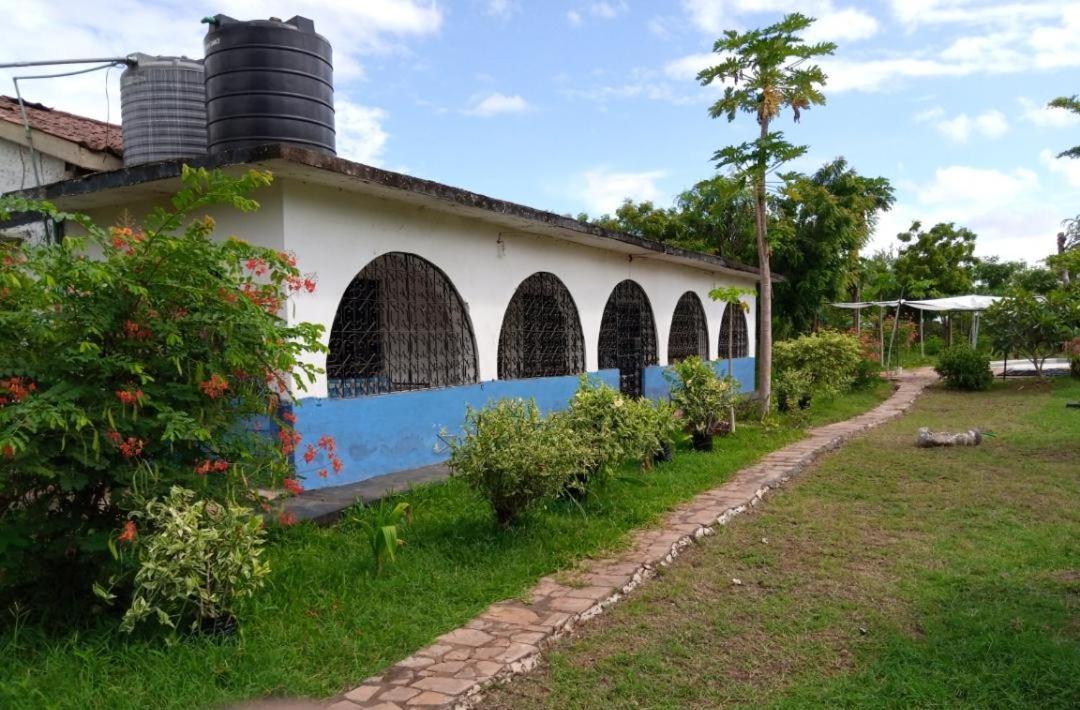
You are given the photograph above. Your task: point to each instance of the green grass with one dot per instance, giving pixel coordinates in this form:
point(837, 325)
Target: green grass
point(889, 576)
point(325, 623)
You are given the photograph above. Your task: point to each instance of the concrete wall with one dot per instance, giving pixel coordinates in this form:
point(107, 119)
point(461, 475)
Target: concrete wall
point(335, 234)
point(17, 172)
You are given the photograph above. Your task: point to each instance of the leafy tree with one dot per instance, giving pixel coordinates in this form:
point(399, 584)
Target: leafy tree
point(994, 277)
point(1034, 327)
point(132, 360)
point(936, 263)
point(829, 217)
point(766, 71)
point(1069, 103)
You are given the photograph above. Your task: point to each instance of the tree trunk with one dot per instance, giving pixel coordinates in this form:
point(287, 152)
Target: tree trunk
point(765, 303)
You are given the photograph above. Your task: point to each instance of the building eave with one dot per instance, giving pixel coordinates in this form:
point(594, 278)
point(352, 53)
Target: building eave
point(156, 180)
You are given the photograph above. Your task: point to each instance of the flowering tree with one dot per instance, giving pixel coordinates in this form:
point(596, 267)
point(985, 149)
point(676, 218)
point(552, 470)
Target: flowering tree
point(138, 358)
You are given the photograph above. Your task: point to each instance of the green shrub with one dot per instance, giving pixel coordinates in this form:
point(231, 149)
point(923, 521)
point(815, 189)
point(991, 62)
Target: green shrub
point(793, 389)
point(380, 524)
point(700, 394)
point(867, 373)
point(133, 349)
point(515, 458)
point(614, 427)
point(830, 358)
point(658, 430)
point(933, 345)
point(964, 368)
point(195, 558)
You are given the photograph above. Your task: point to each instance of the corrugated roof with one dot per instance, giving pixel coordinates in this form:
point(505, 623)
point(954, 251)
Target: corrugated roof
point(88, 132)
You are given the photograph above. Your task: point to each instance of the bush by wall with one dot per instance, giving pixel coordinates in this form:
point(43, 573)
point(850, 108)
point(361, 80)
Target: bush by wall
point(515, 458)
point(132, 361)
point(830, 359)
point(964, 368)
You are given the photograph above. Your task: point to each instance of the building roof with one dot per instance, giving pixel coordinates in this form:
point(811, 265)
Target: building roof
point(89, 133)
point(155, 180)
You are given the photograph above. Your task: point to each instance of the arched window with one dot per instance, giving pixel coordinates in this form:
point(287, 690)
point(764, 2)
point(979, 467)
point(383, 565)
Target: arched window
point(401, 325)
point(733, 331)
point(541, 333)
point(689, 334)
point(628, 335)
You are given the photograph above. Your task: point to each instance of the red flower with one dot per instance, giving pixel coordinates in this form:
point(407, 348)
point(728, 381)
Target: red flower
point(336, 463)
point(289, 438)
point(130, 396)
point(288, 258)
point(9, 451)
point(327, 442)
point(293, 486)
point(289, 417)
point(132, 447)
point(214, 387)
point(114, 437)
point(287, 518)
point(309, 285)
point(129, 533)
point(17, 387)
point(323, 473)
point(310, 453)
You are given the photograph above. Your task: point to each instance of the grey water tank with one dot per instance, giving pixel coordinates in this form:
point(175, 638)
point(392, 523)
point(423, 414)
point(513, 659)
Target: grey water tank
point(268, 81)
point(163, 109)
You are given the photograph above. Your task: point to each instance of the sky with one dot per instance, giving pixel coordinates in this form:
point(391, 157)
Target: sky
point(574, 105)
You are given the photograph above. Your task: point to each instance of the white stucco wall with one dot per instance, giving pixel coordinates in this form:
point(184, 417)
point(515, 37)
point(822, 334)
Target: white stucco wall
point(17, 172)
point(335, 233)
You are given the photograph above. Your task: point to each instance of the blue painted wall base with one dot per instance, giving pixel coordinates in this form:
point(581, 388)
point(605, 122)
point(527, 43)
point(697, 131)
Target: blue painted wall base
point(380, 434)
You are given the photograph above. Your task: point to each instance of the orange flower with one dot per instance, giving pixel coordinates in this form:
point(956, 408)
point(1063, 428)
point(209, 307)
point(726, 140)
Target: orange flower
point(214, 387)
point(293, 486)
point(129, 533)
point(287, 518)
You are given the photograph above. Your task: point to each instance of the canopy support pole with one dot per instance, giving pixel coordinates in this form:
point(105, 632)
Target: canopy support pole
point(922, 336)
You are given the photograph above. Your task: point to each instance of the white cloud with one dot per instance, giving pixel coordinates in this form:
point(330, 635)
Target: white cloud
point(849, 24)
point(573, 17)
point(496, 103)
point(973, 12)
point(604, 190)
point(1007, 210)
point(355, 29)
point(958, 129)
point(1069, 168)
point(1043, 116)
point(687, 68)
point(601, 10)
point(501, 8)
point(360, 134)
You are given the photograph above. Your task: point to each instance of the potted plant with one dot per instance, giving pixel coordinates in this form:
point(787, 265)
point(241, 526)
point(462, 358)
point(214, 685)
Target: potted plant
point(702, 397)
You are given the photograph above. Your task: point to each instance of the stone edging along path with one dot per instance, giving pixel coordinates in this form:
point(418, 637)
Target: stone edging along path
point(508, 637)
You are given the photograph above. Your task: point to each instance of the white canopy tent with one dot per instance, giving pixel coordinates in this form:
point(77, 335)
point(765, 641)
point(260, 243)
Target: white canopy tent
point(973, 303)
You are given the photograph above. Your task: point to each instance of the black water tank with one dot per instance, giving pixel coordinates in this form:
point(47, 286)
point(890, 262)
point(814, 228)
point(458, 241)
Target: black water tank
point(268, 81)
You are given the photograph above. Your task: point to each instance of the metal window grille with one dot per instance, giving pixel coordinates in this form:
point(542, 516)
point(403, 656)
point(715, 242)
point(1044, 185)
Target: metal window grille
point(689, 333)
point(541, 333)
point(628, 336)
point(401, 325)
point(733, 330)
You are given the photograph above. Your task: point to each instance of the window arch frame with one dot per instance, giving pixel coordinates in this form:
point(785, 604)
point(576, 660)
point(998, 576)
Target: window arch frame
point(571, 356)
point(424, 355)
point(614, 330)
point(740, 335)
point(688, 308)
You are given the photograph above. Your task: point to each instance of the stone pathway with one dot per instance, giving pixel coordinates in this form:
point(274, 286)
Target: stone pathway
point(508, 637)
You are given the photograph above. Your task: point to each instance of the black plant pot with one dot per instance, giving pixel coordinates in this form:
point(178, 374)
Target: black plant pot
point(664, 454)
point(701, 441)
point(224, 626)
point(804, 402)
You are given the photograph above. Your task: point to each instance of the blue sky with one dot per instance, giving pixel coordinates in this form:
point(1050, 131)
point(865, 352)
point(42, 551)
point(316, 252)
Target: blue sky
point(573, 105)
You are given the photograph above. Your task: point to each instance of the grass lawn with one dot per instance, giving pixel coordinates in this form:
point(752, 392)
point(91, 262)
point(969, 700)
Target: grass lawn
point(889, 576)
point(325, 623)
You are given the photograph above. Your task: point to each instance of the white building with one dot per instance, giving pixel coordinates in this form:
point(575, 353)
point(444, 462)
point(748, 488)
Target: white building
point(434, 298)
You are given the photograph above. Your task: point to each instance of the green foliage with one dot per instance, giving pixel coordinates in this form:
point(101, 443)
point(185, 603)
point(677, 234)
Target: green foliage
point(195, 559)
point(964, 368)
point(936, 263)
point(614, 427)
point(136, 358)
point(700, 394)
point(515, 458)
point(794, 388)
point(1034, 327)
point(828, 218)
point(659, 428)
point(1071, 104)
point(381, 524)
point(831, 359)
